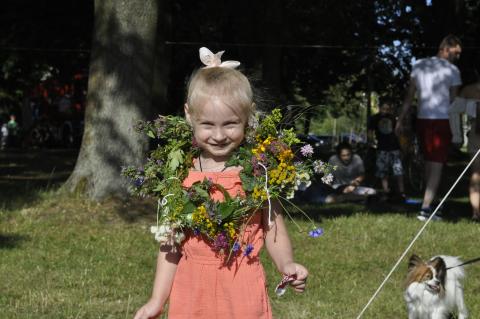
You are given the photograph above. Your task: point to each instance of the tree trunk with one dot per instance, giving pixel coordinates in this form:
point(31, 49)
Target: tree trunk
point(119, 94)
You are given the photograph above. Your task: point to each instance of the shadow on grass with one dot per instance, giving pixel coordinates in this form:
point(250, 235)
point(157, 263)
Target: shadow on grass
point(456, 207)
point(10, 241)
point(24, 174)
point(134, 209)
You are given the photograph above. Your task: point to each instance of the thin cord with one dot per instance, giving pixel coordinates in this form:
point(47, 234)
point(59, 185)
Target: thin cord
point(418, 235)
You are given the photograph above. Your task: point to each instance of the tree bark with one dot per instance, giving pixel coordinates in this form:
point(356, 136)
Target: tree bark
point(119, 94)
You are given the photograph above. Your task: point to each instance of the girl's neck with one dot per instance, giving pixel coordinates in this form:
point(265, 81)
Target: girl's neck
point(209, 164)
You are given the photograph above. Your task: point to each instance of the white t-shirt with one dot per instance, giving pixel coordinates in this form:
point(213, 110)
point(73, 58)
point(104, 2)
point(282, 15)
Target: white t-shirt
point(433, 78)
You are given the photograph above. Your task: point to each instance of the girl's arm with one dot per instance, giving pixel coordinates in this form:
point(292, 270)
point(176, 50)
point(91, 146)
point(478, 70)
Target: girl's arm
point(280, 248)
point(167, 262)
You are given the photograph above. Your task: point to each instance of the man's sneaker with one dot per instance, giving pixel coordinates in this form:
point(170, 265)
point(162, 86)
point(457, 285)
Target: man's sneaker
point(426, 212)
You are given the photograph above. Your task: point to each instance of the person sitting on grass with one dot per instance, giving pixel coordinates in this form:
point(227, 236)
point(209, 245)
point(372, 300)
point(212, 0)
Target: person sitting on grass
point(348, 175)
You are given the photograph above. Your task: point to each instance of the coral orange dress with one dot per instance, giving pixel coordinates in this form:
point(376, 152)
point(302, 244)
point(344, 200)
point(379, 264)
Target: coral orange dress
point(205, 286)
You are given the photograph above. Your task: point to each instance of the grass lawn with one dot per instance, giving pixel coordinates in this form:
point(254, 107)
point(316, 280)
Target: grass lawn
point(70, 258)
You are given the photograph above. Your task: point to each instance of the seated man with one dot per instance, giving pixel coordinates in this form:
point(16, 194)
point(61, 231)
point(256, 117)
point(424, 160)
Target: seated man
point(349, 173)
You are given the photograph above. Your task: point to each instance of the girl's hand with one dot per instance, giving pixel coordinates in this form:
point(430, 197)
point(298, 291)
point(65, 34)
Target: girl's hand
point(152, 309)
point(301, 274)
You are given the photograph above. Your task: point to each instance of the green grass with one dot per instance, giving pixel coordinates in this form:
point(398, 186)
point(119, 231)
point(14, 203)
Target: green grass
point(70, 258)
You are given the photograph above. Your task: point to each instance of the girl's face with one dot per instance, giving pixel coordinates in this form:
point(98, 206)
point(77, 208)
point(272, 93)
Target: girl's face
point(218, 130)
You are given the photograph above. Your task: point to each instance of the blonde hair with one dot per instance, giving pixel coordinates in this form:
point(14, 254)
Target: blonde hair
point(230, 85)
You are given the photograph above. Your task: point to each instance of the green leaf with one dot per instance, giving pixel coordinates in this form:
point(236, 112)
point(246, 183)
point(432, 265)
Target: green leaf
point(151, 134)
point(226, 209)
point(175, 158)
point(160, 186)
point(248, 182)
point(188, 208)
point(200, 191)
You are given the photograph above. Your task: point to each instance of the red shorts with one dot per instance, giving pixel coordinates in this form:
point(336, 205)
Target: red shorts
point(435, 138)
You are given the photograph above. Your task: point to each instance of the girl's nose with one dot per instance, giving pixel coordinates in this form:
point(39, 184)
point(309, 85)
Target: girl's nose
point(219, 134)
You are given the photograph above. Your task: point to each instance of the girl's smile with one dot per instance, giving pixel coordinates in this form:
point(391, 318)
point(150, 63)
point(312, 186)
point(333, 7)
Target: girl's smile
point(218, 129)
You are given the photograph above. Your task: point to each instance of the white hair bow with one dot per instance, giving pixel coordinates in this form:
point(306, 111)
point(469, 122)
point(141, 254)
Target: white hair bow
point(212, 60)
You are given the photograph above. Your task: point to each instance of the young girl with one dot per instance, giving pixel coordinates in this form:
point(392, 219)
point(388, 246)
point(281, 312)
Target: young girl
point(193, 277)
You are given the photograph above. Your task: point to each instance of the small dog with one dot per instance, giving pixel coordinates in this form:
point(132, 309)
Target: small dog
point(432, 290)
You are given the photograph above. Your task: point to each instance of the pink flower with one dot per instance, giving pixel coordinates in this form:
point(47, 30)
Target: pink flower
point(307, 150)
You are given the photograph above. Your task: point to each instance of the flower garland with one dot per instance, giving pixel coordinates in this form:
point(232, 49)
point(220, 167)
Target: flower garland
point(272, 169)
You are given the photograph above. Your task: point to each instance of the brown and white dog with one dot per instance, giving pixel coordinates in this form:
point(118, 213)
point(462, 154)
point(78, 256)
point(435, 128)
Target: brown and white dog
point(432, 290)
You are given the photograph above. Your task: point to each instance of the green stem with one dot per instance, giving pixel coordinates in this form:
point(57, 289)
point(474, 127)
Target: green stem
point(295, 206)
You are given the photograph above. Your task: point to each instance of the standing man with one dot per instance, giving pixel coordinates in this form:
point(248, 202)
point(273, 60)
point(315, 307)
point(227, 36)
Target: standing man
point(435, 81)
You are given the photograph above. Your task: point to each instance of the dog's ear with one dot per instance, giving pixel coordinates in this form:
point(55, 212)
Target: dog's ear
point(441, 268)
point(414, 261)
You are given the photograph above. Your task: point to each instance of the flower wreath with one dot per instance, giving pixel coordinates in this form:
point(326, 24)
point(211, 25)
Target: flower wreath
point(271, 170)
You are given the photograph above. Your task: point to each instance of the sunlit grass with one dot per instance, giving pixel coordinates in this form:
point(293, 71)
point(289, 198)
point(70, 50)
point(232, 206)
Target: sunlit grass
point(70, 258)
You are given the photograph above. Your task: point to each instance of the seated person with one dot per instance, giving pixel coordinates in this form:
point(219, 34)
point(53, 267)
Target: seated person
point(347, 177)
point(349, 173)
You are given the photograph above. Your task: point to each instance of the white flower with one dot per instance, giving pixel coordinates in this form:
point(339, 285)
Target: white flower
point(291, 194)
point(253, 121)
point(179, 237)
point(318, 166)
point(327, 179)
point(163, 233)
point(302, 181)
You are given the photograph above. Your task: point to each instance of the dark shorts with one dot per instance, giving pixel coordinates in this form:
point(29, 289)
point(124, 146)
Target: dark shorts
point(386, 161)
point(435, 138)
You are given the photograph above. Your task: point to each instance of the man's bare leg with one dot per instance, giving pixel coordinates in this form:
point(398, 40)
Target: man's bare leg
point(433, 175)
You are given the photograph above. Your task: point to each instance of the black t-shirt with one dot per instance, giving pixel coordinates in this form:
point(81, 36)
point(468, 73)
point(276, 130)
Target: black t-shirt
point(384, 127)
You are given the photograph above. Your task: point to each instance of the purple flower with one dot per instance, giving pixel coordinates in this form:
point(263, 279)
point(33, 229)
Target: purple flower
point(236, 247)
point(220, 242)
point(275, 147)
point(160, 124)
point(316, 233)
point(248, 250)
point(306, 150)
point(139, 181)
point(196, 231)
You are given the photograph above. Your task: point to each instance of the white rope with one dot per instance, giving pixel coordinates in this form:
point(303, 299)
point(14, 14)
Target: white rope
point(270, 223)
point(416, 237)
point(162, 203)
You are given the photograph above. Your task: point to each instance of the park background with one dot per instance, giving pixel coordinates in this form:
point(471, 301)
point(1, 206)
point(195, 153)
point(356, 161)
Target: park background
point(74, 245)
